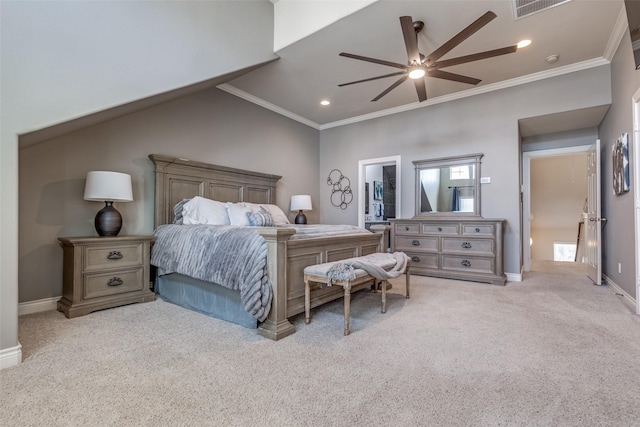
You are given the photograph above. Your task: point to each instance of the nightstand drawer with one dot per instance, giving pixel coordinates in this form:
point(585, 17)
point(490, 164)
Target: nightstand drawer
point(113, 256)
point(103, 284)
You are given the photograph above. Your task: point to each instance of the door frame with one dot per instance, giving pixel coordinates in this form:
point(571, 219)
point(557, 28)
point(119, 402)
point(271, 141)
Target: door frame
point(526, 193)
point(362, 168)
point(635, 100)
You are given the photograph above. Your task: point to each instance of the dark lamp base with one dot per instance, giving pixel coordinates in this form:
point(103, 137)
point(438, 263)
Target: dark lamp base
point(108, 221)
point(301, 218)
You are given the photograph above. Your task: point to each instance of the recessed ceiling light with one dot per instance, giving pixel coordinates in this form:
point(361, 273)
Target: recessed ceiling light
point(523, 43)
point(324, 102)
point(552, 58)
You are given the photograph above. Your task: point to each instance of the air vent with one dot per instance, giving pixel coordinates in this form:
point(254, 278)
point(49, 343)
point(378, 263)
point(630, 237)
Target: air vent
point(522, 8)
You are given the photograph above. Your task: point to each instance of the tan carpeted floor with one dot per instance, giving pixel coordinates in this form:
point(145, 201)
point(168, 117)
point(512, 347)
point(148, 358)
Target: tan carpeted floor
point(553, 350)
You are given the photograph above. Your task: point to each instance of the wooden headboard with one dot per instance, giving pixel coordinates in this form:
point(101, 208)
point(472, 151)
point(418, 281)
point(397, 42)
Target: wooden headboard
point(178, 179)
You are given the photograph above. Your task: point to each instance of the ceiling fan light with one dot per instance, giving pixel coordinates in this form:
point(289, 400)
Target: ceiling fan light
point(523, 43)
point(416, 73)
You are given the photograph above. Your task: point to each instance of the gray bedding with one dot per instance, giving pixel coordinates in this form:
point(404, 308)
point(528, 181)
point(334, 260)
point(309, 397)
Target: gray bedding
point(230, 256)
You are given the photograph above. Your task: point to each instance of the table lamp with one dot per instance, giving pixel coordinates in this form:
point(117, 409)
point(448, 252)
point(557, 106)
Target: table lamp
point(108, 187)
point(300, 203)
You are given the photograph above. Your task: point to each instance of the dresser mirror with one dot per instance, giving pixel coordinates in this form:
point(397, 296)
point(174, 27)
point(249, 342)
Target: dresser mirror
point(448, 186)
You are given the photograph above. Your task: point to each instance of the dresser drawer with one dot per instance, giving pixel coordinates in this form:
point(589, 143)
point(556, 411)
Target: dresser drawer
point(409, 243)
point(478, 230)
point(440, 228)
point(468, 264)
point(471, 246)
point(116, 256)
point(103, 284)
point(407, 228)
point(420, 260)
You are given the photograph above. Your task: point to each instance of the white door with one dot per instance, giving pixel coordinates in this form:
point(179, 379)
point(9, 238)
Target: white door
point(593, 221)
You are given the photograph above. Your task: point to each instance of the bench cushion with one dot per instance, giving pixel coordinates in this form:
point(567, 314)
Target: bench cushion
point(382, 260)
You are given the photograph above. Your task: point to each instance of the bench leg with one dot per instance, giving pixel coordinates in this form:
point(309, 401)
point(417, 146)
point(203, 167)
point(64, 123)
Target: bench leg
point(347, 307)
point(307, 302)
point(407, 274)
point(384, 296)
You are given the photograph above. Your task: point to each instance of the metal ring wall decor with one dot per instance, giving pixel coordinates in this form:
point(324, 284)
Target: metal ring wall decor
point(341, 194)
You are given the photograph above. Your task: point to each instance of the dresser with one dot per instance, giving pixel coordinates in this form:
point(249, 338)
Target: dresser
point(104, 272)
point(452, 248)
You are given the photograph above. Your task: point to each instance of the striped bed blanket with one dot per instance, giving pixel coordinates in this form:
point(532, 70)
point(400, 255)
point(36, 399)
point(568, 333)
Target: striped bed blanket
point(230, 256)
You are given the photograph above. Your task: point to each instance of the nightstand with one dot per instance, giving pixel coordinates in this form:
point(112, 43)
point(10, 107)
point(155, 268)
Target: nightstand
point(104, 272)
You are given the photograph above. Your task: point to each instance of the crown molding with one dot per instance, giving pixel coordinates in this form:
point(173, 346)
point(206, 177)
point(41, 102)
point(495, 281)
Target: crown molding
point(572, 68)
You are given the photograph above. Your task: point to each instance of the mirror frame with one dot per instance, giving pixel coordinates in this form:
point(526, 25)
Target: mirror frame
point(421, 165)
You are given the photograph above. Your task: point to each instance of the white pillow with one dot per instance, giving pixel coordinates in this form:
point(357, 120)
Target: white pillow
point(238, 213)
point(204, 211)
point(279, 217)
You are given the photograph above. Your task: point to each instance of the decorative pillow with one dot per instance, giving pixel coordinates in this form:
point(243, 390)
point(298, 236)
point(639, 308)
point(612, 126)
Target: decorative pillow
point(279, 217)
point(204, 211)
point(238, 213)
point(177, 211)
point(260, 218)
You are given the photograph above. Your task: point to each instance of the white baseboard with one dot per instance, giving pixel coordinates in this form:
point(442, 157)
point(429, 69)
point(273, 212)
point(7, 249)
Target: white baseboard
point(11, 356)
point(619, 290)
point(514, 277)
point(38, 306)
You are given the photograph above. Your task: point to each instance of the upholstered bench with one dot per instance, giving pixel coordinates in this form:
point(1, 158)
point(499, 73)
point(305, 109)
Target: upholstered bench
point(376, 267)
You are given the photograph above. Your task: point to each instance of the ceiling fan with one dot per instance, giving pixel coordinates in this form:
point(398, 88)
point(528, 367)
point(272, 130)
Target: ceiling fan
point(420, 65)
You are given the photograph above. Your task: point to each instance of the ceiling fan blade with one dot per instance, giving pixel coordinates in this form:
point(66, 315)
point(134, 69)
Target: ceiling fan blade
point(421, 89)
point(390, 88)
point(474, 57)
point(460, 37)
point(374, 60)
point(453, 77)
point(372, 78)
point(410, 39)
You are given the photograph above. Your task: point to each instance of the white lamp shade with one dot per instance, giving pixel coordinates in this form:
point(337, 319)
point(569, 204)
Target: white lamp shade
point(301, 203)
point(108, 186)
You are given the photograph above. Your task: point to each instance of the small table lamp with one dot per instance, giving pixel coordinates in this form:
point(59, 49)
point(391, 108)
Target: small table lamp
point(300, 203)
point(108, 187)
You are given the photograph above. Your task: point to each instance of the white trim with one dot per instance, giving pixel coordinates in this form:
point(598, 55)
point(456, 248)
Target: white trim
point(513, 277)
point(635, 137)
point(38, 306)
point(572, 68)
point(362, 165)
point(526, 194)
point(619, 31)
point(11, 356)
point(619, 290)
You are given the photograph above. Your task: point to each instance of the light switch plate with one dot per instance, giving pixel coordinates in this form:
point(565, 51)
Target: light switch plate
point(485, 180)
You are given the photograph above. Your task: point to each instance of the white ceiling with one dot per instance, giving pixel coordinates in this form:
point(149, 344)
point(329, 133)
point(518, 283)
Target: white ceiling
point(584, 33)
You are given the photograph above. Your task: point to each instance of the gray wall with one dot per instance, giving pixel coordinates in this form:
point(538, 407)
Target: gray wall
point(210, 126)
point(619, 246)
point(486, 123)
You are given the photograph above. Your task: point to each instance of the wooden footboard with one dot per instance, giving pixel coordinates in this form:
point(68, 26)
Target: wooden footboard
point(287, 260)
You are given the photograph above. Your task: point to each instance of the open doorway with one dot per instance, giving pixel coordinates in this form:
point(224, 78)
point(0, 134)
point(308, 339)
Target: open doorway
point(555, 187)
point(381, 200)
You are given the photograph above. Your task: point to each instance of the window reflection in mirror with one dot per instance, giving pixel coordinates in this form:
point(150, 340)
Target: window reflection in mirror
point(448, 186)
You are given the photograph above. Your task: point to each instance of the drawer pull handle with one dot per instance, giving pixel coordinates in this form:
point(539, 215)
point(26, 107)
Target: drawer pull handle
point(477, 230)
point(115, 255)
point(416, 243)
point(406, 228)
point(466, 245)
point(115, 281)
point(439, 228)
point(415, 259)
point(465, 263)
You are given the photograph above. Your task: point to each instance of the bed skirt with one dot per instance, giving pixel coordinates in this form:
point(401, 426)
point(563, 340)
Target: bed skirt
point(204, 297)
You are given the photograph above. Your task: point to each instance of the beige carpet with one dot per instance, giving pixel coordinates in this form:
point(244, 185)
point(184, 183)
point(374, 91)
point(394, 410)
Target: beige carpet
point(553, 350)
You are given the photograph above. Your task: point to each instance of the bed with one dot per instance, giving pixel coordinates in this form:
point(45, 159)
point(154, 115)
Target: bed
point(178, 179)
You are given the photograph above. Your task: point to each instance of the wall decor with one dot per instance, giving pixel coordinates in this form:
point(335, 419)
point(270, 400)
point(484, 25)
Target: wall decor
point(341, 194)
point(620, 155)
point(377, 190)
